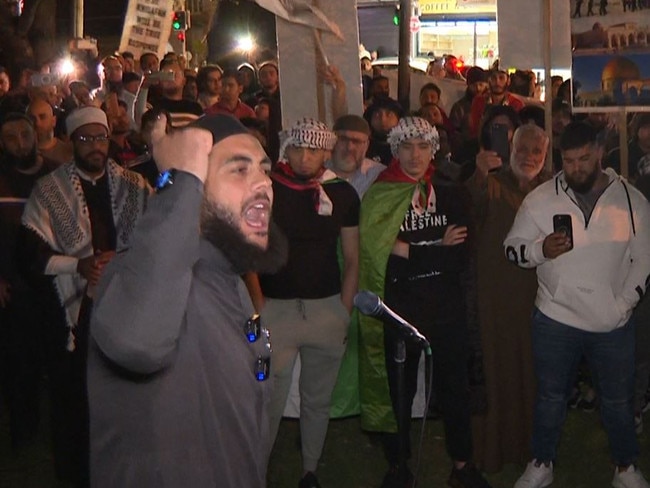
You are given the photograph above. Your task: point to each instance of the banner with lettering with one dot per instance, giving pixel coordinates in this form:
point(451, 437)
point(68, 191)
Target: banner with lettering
point(147, 26)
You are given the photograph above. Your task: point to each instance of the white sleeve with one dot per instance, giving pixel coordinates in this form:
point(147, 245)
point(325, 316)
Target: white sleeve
point(523, 244)
point(58, 264)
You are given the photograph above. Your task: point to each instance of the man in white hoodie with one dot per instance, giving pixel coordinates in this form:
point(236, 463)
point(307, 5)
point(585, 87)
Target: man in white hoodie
point(590, 280)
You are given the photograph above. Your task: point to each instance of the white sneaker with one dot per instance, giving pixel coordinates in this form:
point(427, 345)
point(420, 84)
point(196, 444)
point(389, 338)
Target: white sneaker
point(536, 476)
point(632, 478)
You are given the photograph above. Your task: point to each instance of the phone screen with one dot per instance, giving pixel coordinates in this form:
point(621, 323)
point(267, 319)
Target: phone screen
point(43, 79)
point(499, 142)
point(563, 224)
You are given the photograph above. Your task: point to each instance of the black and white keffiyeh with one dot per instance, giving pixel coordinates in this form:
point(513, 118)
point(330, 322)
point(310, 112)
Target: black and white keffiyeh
point(57, 212)
point(307, 132)
point(413, 128)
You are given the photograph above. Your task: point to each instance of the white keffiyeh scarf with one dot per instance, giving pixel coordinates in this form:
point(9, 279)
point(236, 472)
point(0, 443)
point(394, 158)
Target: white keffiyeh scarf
point(57, 212)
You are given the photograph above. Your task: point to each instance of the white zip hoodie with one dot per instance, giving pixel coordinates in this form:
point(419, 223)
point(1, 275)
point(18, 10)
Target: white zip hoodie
point(596, 285)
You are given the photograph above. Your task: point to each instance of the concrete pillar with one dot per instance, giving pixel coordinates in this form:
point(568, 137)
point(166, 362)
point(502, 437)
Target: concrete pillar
point(78, 19)
point(302, 94)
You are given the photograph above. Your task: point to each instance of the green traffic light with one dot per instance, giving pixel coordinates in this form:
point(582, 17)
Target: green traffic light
point(176, 25)
point(395, 20)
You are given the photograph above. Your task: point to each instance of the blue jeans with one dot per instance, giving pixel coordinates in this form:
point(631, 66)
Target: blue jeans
point(557, 349)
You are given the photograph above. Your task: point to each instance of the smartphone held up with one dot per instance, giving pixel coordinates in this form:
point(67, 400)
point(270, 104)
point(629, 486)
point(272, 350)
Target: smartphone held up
point(563, 224)
point(499, 142)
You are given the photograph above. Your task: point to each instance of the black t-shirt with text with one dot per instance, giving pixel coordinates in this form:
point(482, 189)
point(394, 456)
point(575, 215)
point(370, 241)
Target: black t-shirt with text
point(434, 275)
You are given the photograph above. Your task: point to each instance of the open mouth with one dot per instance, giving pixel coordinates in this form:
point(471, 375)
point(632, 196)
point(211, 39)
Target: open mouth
point(258, 214)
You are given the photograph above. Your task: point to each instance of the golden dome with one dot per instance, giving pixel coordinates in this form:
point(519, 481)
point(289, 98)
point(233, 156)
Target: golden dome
point(620, 68)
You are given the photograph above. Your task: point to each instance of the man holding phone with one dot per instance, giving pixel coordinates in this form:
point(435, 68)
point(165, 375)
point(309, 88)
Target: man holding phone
point(586, 232)
point(497, 132)
point(172, 80)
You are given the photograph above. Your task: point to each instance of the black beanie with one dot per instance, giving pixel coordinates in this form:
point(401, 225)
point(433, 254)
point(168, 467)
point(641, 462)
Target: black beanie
point(220, 126)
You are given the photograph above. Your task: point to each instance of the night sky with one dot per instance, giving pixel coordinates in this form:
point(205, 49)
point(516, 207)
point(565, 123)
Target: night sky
point(102, 18)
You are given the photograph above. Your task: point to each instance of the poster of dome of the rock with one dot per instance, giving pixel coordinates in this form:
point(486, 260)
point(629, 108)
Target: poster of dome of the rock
point(610, 42)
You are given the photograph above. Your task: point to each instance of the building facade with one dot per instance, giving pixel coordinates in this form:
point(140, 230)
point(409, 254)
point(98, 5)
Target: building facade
point(465, 28)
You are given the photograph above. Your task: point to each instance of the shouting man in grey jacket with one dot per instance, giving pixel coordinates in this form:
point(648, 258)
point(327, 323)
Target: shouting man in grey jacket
point(178, 360)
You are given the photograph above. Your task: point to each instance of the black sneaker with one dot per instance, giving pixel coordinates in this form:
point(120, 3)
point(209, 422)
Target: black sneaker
point(468, 477)
point(309, 481)
point(395, 479)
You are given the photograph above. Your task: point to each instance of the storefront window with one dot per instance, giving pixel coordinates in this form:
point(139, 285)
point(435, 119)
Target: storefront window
point(474, 42)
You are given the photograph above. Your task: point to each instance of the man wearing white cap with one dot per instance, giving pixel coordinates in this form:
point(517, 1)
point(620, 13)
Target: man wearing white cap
point(77, 218)
point(309, 301)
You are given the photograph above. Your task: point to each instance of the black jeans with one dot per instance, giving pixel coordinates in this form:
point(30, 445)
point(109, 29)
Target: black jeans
point(416, 301)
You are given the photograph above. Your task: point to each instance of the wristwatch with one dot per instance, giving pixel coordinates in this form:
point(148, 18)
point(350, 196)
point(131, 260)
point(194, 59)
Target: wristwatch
point(165, 180)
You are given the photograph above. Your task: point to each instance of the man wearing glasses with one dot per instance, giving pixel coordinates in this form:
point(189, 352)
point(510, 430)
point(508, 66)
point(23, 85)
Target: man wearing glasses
point(77, 218)
point(349, 160)
point(178, 363)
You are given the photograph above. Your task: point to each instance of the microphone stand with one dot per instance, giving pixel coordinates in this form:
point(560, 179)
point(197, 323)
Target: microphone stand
point(370, 304)
point(405, 479)
point(403, 421)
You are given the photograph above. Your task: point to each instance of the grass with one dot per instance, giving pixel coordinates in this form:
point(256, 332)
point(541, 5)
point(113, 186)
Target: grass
point(353, 459)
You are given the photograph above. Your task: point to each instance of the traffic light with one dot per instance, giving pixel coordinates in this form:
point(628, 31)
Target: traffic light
point(396, 16)
point(180, 21)
point(178, 36)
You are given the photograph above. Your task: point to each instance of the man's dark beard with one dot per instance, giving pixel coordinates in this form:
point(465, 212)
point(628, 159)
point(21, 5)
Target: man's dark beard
point(83, 164)
point(22, 163)
point(219, 228)
point(586, 186)
point(498, 90)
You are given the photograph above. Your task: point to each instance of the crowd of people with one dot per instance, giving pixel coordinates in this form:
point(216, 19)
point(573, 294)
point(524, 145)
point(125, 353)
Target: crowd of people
point(160, 231)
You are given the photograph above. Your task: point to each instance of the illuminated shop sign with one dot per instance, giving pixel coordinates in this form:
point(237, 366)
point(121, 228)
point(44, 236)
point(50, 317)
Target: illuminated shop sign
point(432, 7)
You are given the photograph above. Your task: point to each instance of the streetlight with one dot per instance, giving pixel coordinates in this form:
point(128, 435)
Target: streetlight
point(66, 67)
point(246, 43)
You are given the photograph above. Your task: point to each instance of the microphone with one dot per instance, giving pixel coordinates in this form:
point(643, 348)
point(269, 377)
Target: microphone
point(370, 304)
